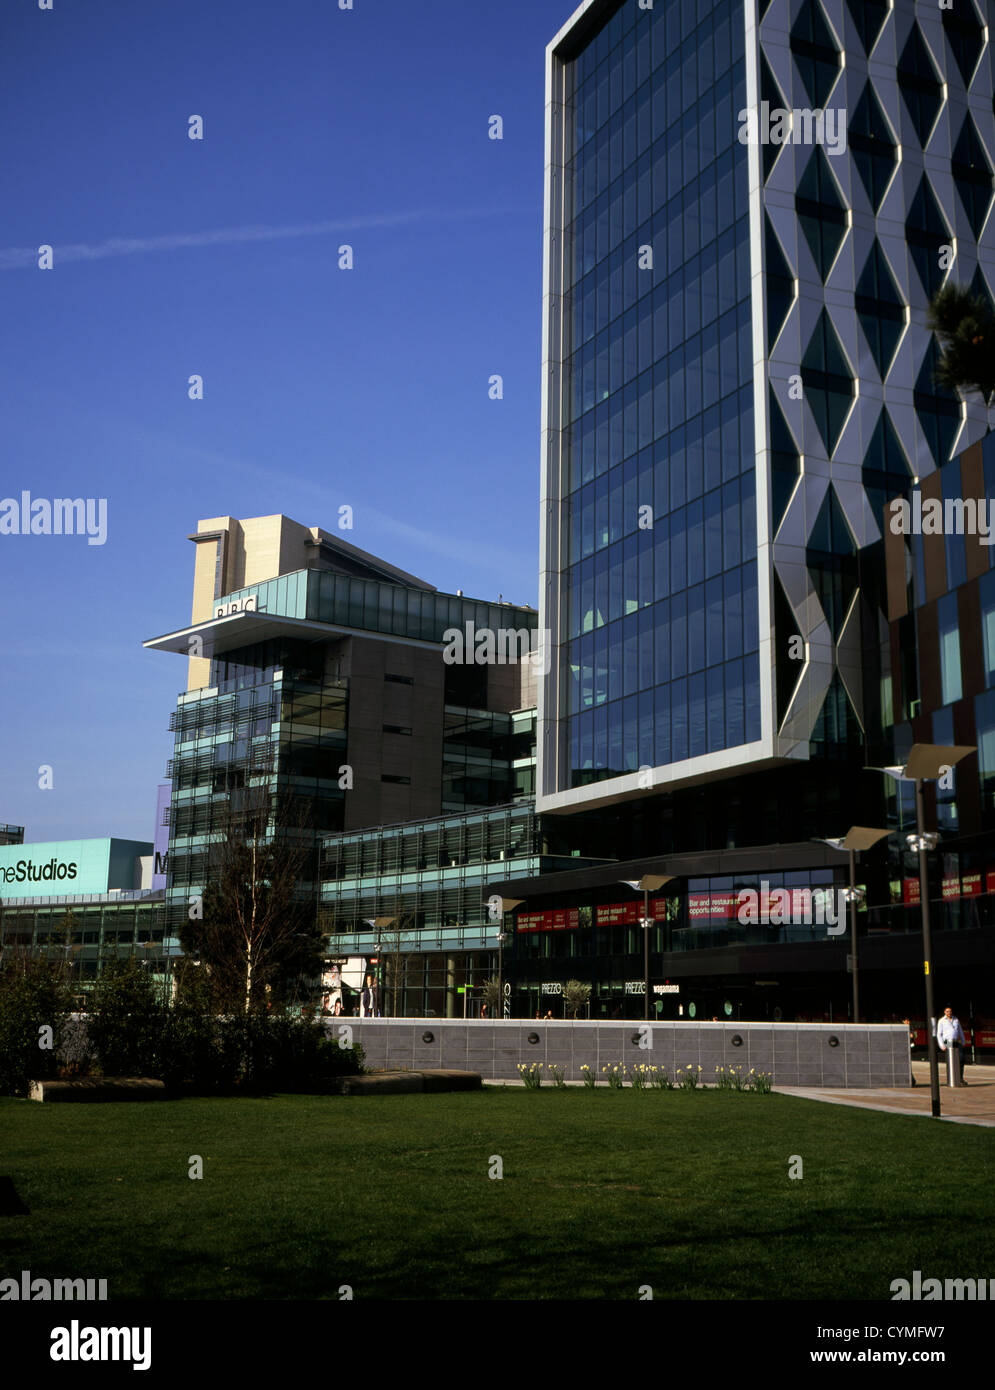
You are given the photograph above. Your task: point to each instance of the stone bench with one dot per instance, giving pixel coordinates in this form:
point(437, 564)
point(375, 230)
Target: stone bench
point(438, 1079)
point(400, 1083)
point(103, 1088)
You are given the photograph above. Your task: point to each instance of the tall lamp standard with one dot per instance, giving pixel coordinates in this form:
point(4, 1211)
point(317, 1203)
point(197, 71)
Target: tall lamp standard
point(380, 924)
point(927, 762)
point(857, 838)
point(649, 883)
point(507, 905)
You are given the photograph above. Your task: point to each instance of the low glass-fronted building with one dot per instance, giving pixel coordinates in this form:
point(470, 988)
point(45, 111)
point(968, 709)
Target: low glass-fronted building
point(83, 902)
point(424, 893)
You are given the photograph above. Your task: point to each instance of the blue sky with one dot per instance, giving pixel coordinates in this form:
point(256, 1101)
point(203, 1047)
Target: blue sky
point(322, 387)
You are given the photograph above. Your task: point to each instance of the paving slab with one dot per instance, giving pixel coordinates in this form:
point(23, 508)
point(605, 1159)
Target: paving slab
point(973, 1104)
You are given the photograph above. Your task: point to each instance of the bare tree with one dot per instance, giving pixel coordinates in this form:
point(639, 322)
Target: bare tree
point(396, 959)
point(258, 930)
point(69, 951)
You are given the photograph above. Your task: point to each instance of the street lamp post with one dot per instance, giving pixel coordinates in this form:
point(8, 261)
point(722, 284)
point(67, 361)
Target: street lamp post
point(380, 924)
point(858, 837)
point(646, 952)
point(922, 842)
point(502, 937)
point(854, 896)
point(647, 884)
point(927, 762)
point(507, 905)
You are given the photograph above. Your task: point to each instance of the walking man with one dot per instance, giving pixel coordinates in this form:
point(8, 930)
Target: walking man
point(949, 1033)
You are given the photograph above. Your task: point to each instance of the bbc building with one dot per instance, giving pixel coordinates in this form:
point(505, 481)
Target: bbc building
point(318, 676)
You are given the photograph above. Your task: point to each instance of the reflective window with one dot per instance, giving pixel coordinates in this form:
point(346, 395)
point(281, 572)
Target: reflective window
point(660, 519)
point(946, 797)
point(949, 636)
point(956, 553)
point(984, 713)
point(986, 593)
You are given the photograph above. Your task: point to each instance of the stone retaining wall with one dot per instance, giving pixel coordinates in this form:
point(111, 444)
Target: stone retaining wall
point(796, 1054)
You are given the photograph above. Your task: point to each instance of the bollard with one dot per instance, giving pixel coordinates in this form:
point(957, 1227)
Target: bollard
point(952, 1078)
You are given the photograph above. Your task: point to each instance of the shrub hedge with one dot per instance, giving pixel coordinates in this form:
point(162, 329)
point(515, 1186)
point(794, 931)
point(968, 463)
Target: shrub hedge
point(127, 1031)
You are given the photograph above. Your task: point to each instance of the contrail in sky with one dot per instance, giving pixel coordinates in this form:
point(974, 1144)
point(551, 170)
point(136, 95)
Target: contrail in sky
point(20, 258)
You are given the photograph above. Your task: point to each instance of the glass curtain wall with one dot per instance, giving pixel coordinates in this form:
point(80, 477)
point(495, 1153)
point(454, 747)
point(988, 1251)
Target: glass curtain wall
point(660, 610)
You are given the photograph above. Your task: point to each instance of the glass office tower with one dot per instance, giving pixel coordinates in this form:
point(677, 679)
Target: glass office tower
point(738, 372)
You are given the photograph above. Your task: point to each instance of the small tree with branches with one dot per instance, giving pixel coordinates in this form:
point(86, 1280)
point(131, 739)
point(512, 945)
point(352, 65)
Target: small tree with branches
point(396, 959)
point(490, 997)
point(257, 933)
point(35, 1003)
point(575, 997)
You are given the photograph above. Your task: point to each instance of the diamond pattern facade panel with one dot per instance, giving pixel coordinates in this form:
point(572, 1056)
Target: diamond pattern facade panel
point(869, 233)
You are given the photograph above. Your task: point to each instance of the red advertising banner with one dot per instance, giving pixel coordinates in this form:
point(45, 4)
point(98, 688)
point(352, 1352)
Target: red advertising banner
point(910, 890)
point(723, 906)
point(630, 914)
point(561, 919)
point(970, 885)
point(713, 907)
point(951, 887)
point(618, 914)
point(990, 882)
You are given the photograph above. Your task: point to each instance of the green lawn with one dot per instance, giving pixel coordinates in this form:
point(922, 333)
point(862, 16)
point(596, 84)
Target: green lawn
point(601, 1193)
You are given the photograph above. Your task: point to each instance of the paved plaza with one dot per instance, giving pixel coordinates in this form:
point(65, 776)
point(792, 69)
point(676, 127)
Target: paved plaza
point(973, 1104)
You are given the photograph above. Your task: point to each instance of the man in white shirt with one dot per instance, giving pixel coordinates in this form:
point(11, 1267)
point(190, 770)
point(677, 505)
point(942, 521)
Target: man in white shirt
point(949, 1033)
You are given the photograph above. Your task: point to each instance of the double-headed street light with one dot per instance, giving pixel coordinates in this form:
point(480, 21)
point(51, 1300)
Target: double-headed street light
point(927, 762)
point(858, 837)
point(649, 883)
